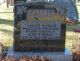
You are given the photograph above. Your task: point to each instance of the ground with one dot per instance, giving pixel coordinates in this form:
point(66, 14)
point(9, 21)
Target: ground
point(6, 28)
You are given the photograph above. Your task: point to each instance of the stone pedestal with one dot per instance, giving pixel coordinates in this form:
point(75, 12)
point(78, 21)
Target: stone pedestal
point(56, 56)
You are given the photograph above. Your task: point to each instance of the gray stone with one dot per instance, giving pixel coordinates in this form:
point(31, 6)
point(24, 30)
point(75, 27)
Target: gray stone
point(56, 56)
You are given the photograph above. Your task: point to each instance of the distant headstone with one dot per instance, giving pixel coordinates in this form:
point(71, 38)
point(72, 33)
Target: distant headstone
point(39, 27)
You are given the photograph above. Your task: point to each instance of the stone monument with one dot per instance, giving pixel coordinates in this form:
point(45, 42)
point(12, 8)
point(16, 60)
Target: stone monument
point(39, 29)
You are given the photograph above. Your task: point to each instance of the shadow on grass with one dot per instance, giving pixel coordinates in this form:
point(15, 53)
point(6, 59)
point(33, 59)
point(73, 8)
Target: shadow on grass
point(5, 49)
point(5, 12)
point(7, 22)
point(8, 31)
point(71, 27)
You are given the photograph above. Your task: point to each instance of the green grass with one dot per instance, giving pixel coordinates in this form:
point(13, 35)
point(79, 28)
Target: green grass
point(71, 27)
point(7, 22)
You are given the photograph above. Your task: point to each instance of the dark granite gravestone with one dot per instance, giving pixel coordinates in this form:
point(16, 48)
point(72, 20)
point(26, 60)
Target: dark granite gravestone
point(39, 27)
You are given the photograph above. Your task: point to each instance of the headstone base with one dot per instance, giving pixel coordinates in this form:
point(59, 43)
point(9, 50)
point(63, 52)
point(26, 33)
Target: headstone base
point(55, 56)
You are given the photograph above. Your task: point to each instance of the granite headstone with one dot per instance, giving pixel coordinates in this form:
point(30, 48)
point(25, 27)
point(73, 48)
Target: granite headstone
point(39, 27)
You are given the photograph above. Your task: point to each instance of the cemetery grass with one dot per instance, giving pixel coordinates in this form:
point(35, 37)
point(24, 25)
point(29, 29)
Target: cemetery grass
point(6, 29)
point(70, 35)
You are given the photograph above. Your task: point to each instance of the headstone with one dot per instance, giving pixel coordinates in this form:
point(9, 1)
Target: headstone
point(39, 28)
